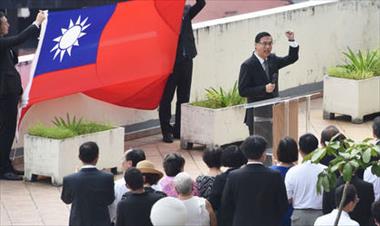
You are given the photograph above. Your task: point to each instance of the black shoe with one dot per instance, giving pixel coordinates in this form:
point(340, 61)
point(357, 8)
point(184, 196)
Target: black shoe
point(167, 138)
point(10, 176)
point(18, 172)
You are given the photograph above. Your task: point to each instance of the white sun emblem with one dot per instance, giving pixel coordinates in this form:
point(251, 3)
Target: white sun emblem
point(69, 38)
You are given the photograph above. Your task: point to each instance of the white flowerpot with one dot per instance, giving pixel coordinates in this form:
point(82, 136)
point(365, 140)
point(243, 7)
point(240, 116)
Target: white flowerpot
point(212, 126)
point(356, 98)
point(58, 158)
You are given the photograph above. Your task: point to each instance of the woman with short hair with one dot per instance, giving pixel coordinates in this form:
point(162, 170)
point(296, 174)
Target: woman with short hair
point(199, 210)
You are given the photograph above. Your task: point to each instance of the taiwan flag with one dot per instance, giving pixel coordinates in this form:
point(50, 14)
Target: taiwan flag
point(121, 54)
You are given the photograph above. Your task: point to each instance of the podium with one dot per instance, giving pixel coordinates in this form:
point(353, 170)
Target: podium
point(278, 117)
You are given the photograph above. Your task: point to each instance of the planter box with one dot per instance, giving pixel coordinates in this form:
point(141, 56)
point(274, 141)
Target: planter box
point(212, 126)
point(356, 98)
point(58, 158)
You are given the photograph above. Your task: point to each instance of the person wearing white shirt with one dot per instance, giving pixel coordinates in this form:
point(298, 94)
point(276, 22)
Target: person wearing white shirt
point(348, 205)
point(131, 158)
point(301, 185)
point(368, 175)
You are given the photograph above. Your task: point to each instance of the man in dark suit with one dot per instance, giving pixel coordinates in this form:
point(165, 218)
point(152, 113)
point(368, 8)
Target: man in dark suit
point(362, 211)
point(254, 195)
point(90, 191)
point(258, 74)
point(11, 90)
point(376, 129)
point(180, 78)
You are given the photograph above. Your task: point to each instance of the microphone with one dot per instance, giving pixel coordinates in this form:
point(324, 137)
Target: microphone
point(274, 78)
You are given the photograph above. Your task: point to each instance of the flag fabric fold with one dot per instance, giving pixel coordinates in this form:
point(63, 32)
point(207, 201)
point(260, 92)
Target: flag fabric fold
point(121, 54)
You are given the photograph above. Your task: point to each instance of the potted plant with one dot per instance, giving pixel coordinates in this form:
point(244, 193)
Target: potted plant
point(217, 120)
point(349, 156)
point(53, 151)
point(354, 88)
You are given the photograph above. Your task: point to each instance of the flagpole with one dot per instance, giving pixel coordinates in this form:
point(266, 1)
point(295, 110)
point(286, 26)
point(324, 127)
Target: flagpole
point(25, 95)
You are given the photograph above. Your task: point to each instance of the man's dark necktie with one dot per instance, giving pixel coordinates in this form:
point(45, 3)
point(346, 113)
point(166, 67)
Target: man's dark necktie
point(266, 69)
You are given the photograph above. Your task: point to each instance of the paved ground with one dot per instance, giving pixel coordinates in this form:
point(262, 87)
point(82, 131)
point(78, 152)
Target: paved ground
point(29, 204)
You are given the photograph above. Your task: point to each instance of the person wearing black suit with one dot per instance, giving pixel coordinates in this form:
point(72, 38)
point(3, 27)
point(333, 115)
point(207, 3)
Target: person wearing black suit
point(181, 76)
point(258, 78)
point(11, 89)
point(254, 195)
point(90, 191)
point(362, 211)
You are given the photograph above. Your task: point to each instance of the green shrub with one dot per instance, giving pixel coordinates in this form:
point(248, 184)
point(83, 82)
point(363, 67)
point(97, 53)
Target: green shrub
point(220, 98)
point(67, 128)
point(358, 65)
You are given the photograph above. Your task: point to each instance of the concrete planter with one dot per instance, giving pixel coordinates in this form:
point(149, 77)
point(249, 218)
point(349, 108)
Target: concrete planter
point(212, 126)
point(356, 98)
point(58, 158)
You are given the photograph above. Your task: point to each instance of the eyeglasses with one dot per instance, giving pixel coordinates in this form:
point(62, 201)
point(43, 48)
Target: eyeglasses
point(266, 43)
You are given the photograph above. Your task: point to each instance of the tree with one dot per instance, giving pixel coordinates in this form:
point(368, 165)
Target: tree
point(349, 156)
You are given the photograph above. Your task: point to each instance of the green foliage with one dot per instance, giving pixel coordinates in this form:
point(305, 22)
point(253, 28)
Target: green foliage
point(70, 127)
point(358, 65)
point(220, 98)
point(349, 156)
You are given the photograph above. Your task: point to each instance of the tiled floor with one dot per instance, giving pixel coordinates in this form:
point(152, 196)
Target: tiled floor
point(29, 204)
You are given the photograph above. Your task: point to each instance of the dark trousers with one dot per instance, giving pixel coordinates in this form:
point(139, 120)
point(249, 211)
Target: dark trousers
point(261, 124)
point(8, 119)
point(180, 79)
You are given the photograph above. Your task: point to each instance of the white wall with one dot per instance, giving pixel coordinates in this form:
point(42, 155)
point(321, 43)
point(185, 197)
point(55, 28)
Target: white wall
point(323, 29)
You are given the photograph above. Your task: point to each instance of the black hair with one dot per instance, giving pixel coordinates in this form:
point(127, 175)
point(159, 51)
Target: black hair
point(2, 14)
point(151, 178)
point(253, 147)
point(351, 194)
point(308, 143)
point(287, 150)
point(376, 127)
point(261, 35)
point(376, 211)
point(328, 133)
point(173, 164)
point(88, 152)
point(134, 178)
point(135, 155)
point(211, 156)
point(233, 157)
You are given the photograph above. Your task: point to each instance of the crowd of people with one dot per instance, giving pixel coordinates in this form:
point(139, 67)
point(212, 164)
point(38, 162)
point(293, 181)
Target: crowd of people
point(237, 190)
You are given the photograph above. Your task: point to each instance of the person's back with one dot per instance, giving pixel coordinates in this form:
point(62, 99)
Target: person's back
point(362, 211)
point(254, 194)
point(135, 208)
point(302, 180)
point(197, 214)
point(258, 199)
point(349, 203)
point(90, 191)
point(301, 185)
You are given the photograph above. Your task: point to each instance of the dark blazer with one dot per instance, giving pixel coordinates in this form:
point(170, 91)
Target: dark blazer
point(253, 196)
point(134, 209)
point(216, 192)
point(186, 44)
point(253, 79)
point(90, 191)
point(362, 211)
point(10, 81)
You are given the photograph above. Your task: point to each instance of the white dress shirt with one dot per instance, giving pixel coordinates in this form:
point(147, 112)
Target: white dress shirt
point(373, 179)
point(329, 219)
point(120, 190)
point(301, 185)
